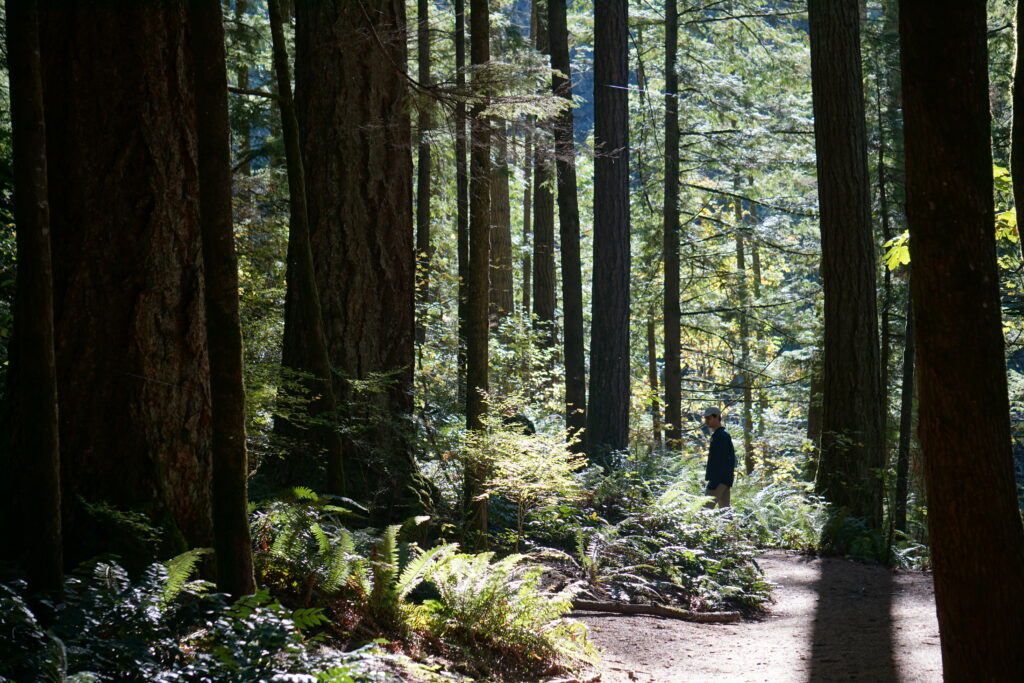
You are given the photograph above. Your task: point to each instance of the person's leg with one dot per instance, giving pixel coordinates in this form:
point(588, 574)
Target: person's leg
point(723, 495)
point(713, 494)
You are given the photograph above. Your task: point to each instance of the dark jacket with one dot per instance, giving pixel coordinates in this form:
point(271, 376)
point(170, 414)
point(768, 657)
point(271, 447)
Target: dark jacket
point(721, 459)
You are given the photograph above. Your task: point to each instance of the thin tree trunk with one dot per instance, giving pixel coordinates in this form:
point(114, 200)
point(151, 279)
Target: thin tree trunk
point(501, 232)
point(479, 235)
point(608, 410)
point(976, 536)
point(883, 208)
point(424, 168)
point(670, 229)
point(569, 226)
point(544, 279)
point(1017, 132)
point(223, 327)
point(744, 296)
point(461, 199)
point(527, 222)
point(851, 444)
point(242, 80)
point(814, 414)
point(652, 380)
point(31, 454)
point(906, 415)
point(755, 266)
point(302, 305)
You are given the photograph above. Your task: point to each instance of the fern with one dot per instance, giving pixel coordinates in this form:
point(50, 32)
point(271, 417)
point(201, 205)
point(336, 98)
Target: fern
point(343, 564)
point(179, 570)
point(499, 603)
point(421, 566)
point(309, 617)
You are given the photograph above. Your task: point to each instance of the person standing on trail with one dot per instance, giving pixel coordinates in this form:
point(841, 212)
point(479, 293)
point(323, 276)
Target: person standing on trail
point(721, 460)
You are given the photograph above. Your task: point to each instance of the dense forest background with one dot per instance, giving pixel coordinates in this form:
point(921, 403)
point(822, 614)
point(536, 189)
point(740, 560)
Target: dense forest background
point(480, 269)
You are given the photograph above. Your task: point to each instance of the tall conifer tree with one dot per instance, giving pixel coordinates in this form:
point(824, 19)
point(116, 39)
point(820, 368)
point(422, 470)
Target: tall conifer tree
point(851, 455)
point(608, 411)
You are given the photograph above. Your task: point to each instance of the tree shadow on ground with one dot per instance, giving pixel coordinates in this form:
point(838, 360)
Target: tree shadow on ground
point(853, 629)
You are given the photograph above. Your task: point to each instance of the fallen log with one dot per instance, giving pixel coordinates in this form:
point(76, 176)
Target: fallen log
point(658, 611)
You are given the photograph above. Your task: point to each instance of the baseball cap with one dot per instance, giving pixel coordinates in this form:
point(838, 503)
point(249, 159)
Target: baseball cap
point(712, 410)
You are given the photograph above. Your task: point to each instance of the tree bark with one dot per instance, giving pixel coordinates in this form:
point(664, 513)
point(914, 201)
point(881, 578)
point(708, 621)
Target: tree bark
point(569, 225)
point(223, 328)
point(479, 261)
point(670, 233)
point(976, 535)
point(424, 167)
point(30, 457)
point(851, 443)
point(303, 313)
point(608, 411)
point(356, 147)
point(129, 317)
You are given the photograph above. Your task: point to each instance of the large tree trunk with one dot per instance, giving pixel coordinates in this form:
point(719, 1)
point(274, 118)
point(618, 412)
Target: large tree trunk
point(30, 455)
point(851, 445)
point(223, 327)
point(424, 167)
point(479, 262)
point(569, 226)
point(977, 540)
point(130, 323)
point(303, 314)
point(670, 228)
point(356, 140)
point(608, 411)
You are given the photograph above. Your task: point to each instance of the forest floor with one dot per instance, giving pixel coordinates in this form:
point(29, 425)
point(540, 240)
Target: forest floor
point(831, 620)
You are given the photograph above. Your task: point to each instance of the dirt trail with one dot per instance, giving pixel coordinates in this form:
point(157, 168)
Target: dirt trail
point(832, 620)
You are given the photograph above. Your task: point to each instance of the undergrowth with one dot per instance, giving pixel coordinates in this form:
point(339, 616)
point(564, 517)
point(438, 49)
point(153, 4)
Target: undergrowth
point(162, 628)
point(491, 617)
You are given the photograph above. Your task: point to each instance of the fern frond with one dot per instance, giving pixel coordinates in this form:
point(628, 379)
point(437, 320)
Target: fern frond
point(389, 545)
point(179, 571)
point(323, 543)
point(343, 563)
point(418, 569)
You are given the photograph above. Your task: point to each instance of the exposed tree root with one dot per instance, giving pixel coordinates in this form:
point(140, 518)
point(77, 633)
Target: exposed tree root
point(658, 611)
